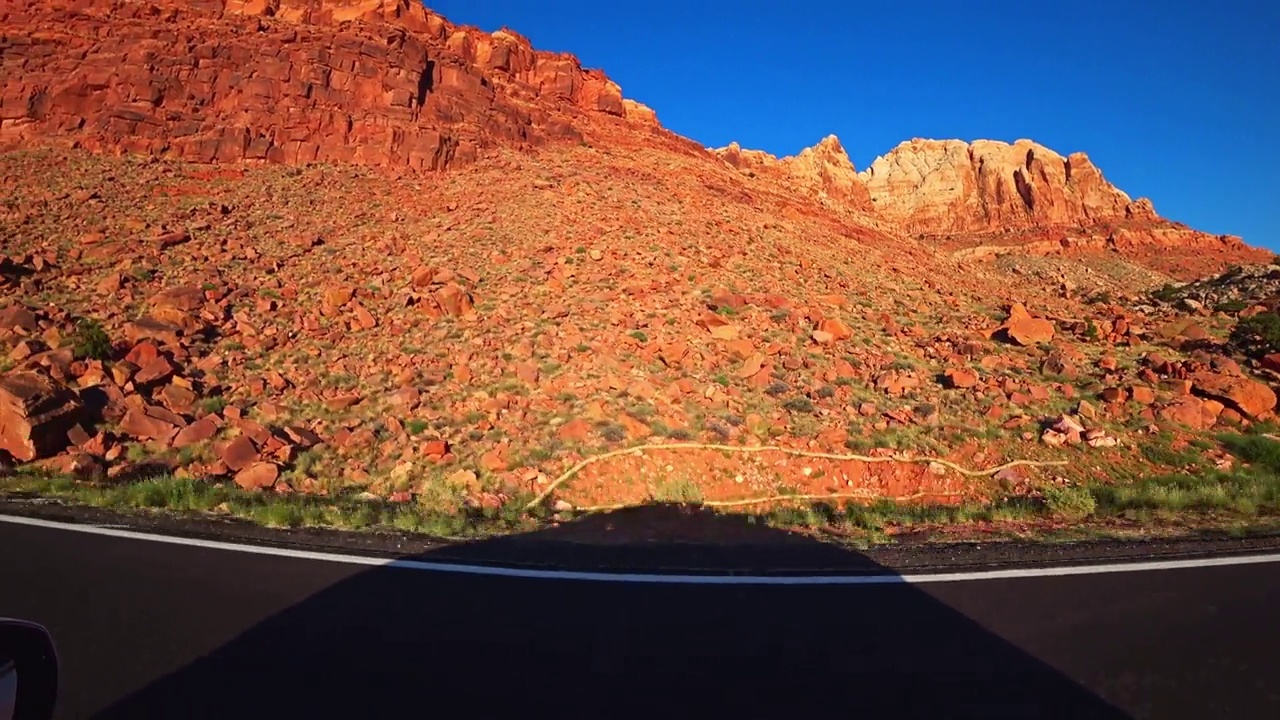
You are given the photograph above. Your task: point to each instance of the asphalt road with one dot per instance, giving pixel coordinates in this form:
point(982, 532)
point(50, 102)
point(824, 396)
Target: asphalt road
point(150, 630)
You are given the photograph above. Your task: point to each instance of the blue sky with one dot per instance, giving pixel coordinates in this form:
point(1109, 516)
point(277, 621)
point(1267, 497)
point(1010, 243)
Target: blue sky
point(1177, 101)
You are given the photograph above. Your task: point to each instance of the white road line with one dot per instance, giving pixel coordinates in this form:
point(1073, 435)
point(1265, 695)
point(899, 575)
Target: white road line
point(445, 567)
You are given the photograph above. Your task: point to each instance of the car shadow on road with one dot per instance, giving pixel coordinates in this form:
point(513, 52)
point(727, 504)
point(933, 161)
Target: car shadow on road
point(398, 642)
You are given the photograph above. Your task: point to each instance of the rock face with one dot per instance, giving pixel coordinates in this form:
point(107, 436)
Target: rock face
point(823, 171)
point(377, 82)
point(997, 197)
point(950, 186)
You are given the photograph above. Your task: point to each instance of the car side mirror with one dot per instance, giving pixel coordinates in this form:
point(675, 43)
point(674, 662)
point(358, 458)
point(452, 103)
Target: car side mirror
point(28, 671)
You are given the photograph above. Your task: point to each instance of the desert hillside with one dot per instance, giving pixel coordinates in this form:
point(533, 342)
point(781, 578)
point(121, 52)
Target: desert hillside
point(328, 246)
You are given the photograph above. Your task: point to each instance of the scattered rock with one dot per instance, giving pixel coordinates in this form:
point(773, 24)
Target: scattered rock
point(1251, 398)
point(1142, 395)
point(239, 453)
point(258, 476)
point(1024, 329)
point(1086, 410)
point(197, 432)
point(961, 378)
point(35, 415)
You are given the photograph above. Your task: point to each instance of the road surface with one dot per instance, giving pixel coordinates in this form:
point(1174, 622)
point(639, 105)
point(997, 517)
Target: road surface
point(149, 629)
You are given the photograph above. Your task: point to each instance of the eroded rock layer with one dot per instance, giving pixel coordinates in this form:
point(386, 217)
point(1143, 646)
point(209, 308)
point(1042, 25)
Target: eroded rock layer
point(377, 82)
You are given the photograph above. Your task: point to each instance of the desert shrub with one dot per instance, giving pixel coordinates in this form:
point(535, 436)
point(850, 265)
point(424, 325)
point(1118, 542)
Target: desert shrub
point(91, 341)
point(1231, 306)
point(613, 433)
point(1069, 503)
point(1167, 293)
point(799, 405)
point(777, 388)
point(1257, 335)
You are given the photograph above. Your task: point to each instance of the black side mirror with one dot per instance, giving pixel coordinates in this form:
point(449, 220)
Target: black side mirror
point(28, 671)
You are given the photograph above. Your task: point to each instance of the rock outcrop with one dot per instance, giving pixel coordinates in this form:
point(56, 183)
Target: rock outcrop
point(993, 198)
point(376, 82)
point(950, 186)
point(823, 171)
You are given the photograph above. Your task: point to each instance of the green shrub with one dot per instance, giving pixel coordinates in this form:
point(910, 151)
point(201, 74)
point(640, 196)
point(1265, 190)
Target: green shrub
point(1168, 293)
point(1069, 503)
point(1259, 451)
point(799, 405)
point(91, 341)
point(1257, 335)
point(1231, 306)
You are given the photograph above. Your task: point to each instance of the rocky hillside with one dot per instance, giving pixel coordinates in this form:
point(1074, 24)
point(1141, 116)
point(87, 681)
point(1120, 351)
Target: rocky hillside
point(390, 83)
point(576, 282)
point(377, 82)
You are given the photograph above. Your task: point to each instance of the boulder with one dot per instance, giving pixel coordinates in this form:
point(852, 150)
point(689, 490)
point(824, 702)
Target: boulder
point(1142, 394)
point(239, 453)
point(17, 317)
point(35, 415)
point(151, 423)
point(197, 432)
point(258, 476)
point(1024, 329)
point(1192, 411)
point(961, 378)
point(1251, 398)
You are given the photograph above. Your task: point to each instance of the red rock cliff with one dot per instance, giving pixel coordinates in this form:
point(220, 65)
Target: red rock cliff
point(1027, 196)
point(379, 82)
point(949, 186)
point(823, 171)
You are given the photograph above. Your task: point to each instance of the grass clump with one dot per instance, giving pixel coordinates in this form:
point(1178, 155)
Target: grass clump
point(1159, 451)
point(91, 341)
point(1070, 503)
point(342, 511)
point(678, 491)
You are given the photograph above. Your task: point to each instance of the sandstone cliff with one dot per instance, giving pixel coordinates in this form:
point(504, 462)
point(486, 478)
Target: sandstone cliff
point(993, 198)
point(379, 82)
point(950, 186)
point(823, 171)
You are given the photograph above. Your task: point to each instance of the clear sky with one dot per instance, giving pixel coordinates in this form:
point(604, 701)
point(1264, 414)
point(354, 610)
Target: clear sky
point(1176, 100)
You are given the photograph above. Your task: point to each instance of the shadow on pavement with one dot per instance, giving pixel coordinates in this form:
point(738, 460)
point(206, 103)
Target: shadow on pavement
point(394, 642)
